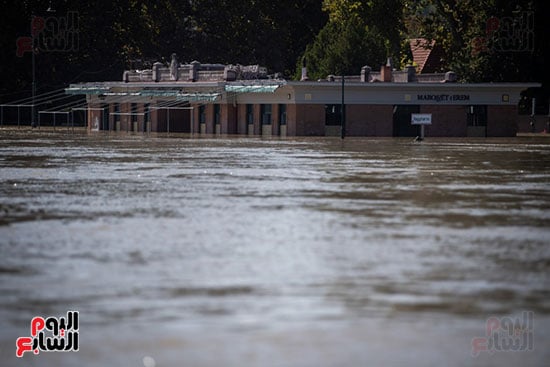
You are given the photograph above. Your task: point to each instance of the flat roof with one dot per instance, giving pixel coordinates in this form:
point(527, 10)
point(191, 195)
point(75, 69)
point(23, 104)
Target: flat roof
point(416, 85)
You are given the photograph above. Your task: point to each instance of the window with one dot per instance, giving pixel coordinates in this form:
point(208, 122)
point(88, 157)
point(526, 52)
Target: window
point(249, 114)
point(266, 114)
point(282, 114)
point(217, 114)
point(116, 114)
point(477, 116)
point(333, 114)
point(202, 114)
point(105, 117)
point(147, 115)
point(133, 111)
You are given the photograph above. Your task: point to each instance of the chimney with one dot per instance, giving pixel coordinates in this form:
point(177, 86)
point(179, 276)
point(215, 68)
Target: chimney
point(229, 74)
point(450, 77)
point(411, 73)
point(194, 71)
point(304, 77)
point(156, 71)
point(365, 74)
point(385, 71)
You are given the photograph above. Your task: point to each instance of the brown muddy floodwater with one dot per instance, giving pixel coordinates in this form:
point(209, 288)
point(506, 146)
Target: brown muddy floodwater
point(180, 251)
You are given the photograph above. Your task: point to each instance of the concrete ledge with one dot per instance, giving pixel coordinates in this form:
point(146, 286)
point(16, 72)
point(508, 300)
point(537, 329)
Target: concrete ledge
point(332, 130)
point(267, 130)
point(476, 131)
point(533, 135)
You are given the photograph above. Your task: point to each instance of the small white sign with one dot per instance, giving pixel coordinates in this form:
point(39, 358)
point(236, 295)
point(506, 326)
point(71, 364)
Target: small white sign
point(421, 118)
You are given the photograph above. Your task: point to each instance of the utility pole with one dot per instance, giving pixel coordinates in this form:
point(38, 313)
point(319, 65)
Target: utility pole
point(33, 124)
point(34, 31)
point(343, 112)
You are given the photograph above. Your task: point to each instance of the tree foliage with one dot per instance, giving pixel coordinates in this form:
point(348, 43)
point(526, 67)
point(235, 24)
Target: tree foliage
point(332, 36)
point(358, 33)
point(483, 40)
point(114, 35)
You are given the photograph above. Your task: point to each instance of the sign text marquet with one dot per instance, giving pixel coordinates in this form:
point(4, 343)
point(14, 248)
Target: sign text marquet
point(443, 97)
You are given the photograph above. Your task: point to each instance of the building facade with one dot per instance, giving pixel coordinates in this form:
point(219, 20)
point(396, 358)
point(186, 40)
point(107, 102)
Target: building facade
point(233, 99)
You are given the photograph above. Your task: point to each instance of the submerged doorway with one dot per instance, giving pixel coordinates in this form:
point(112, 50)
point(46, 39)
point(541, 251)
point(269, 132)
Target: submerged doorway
point(104, 117)
point(174, 119)
point(477, 121)
point(333, 119)
point(402, 120)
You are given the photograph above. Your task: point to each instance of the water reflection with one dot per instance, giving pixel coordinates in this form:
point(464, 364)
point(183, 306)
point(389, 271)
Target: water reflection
point(258, 234)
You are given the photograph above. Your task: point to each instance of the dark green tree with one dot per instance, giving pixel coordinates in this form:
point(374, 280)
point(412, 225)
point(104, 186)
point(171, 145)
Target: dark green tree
point(358, 33)
point(343, 48)
point(488, 40)
point(113, 35)
point(265, 32)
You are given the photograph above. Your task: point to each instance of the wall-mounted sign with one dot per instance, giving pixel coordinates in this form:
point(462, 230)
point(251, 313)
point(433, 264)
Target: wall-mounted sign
point(443, 97)
point(421, 118)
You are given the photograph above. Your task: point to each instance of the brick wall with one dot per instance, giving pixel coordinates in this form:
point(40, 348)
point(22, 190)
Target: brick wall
point(448, 121)
point(228, 119)
point(195, 128)
point(112, 118)
point(154, 120)
point(502, 120)
point(291, 120)
point(241, 119)
point(310, 120)
point(209, 112)
point(369, 120)
point(257, 119)
point(275, 119)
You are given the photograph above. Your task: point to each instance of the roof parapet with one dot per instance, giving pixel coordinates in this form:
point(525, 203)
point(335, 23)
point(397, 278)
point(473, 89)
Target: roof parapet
point(195, 72)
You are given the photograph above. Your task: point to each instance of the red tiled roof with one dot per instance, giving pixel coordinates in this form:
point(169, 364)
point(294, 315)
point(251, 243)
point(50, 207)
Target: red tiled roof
point(425, 54)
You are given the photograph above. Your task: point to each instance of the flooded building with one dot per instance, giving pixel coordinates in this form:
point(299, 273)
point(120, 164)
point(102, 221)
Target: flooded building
point(234, 99)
